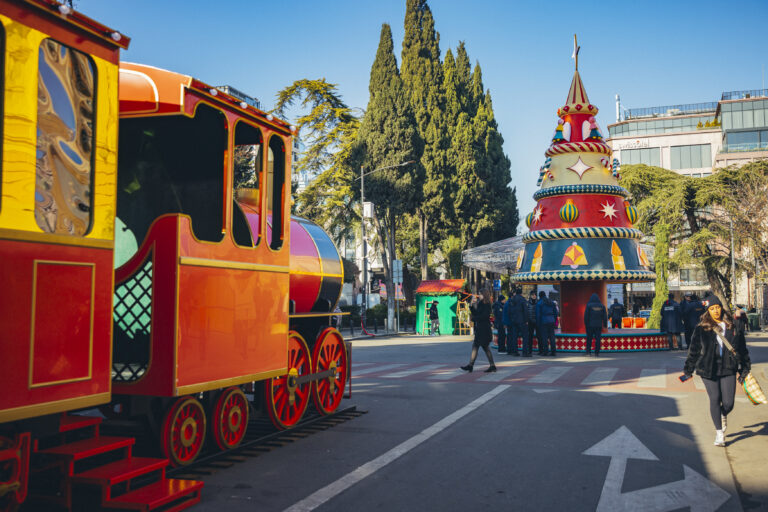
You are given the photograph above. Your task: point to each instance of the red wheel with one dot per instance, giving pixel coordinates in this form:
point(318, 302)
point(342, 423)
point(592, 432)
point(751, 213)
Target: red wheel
point(183, 431)
point(286, 399)
point(329, 354)
point(230, 418)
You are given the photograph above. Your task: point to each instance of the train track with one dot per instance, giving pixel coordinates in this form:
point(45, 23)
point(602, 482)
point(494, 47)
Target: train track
point(261, 438)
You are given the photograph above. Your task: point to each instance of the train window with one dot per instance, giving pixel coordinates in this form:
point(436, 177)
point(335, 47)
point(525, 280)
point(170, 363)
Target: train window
point(172, 164)
point(65, 139)
point(276, 190)
point(248, 170)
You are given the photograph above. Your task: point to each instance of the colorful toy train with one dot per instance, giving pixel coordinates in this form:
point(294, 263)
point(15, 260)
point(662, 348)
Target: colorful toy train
point(159, 277)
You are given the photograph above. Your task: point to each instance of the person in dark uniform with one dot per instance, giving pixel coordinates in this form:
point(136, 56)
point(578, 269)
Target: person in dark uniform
point(546, 314)
point(616, 313)
point(692, 309)
point(595, 319)
point(518, 322)
point(531, 305)
point(498, 322)
point(672, 322)
point(717, 365)
point(481, 316)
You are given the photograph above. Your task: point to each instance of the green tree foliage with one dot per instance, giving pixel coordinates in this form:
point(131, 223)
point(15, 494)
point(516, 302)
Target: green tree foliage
point(484, 205)
point(330, 134)
point(451, 248)
point(699, 232)
point(388, 137)
point(661, 233)
point(422, 76)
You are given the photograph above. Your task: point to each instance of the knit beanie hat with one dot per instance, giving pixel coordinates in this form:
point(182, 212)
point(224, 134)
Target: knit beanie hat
point(711, 300)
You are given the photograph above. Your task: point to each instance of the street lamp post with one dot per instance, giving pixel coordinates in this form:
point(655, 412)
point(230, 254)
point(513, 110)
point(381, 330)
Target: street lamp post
point(362, 229)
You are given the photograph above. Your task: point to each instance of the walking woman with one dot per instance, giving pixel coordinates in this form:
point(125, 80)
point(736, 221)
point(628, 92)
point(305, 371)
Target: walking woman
point(717, 353)
point(481, 316)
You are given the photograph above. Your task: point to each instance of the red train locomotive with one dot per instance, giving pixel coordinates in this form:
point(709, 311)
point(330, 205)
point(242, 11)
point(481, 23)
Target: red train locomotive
point(160, 277)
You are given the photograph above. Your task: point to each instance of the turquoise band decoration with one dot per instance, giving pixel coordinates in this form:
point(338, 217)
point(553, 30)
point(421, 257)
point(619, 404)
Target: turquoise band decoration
point(566, 233)
point(583, 275)
point(564, 190)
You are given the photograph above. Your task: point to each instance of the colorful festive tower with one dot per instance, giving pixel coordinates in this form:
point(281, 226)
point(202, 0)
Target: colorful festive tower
point(582, 232)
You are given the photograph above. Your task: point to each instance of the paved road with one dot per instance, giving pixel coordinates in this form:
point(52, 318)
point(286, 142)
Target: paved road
point(618, 432)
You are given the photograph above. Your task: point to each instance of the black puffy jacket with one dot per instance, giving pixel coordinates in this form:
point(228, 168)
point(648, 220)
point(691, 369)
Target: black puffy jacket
point(704, 354)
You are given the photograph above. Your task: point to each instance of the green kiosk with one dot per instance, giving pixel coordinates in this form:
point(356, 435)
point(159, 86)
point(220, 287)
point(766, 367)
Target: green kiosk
point(447, 293)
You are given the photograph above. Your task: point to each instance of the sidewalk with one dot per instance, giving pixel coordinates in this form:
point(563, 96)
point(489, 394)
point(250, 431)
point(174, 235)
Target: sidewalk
point(747, 434)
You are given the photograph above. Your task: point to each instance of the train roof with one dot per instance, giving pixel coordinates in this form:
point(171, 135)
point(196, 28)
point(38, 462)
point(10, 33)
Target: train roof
point(147, 91)
point(104, 34)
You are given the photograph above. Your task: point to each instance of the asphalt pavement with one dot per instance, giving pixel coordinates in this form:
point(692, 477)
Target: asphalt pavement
point(618, 432)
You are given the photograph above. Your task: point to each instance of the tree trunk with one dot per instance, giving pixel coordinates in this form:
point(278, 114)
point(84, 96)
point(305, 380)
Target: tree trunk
point(717, 281)
point(382, 230)
point(391, 291)
point(423, 244)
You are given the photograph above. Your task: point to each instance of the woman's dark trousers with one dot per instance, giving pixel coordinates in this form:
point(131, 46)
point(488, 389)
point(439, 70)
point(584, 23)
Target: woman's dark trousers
point(721, 391)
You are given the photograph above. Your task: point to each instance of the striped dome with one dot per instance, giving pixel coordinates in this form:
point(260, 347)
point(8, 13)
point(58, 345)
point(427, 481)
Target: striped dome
point(631, 212)
point(529, 220)
point(569, 212)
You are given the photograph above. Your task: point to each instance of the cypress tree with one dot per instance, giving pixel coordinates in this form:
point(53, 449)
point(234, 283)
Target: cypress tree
point(422, 76)
point(389, 137)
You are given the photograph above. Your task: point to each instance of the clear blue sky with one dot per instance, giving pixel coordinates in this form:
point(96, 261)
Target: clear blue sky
point(652, 53)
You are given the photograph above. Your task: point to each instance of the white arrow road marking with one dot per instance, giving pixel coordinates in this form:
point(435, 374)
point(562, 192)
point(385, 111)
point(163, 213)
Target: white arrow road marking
point(693, 491)
point(323, 495)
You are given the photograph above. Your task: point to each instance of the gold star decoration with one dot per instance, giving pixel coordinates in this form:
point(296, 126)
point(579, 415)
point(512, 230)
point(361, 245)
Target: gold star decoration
point(608, 210)
point(579, 168)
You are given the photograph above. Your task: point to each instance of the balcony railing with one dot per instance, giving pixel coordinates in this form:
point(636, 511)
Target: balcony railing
point(671, 110)
point(743, 147)
point(740, 95)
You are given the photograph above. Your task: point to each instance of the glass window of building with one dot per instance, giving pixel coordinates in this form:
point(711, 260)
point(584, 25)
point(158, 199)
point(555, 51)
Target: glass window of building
point(691, 157)
point(647, 156)
point(65, 140)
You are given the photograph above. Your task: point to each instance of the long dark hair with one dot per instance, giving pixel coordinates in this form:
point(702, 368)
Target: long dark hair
point(708, 323)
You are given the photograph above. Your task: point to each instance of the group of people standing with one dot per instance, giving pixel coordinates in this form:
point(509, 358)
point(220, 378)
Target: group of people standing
point(513, 319)
point(717, 349)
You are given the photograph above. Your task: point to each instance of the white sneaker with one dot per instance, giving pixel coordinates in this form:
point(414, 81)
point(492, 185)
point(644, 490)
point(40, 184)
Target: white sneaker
point(719, 438)
point(724, 421)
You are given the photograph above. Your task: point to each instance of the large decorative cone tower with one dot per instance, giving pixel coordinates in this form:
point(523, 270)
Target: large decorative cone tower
point(582, 233)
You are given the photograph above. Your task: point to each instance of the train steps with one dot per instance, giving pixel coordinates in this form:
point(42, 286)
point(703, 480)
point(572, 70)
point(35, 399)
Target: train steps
point(100, 472)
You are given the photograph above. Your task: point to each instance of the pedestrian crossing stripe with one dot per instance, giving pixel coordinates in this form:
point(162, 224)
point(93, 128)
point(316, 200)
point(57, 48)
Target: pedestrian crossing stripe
point(573, 375)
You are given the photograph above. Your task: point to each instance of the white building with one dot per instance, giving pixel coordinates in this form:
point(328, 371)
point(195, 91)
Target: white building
point(695, 140)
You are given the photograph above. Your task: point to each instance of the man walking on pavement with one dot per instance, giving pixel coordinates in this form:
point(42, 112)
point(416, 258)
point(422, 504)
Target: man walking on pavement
point(691, 309)
point(546, 312)
point(672, 322)
point(531, 305)
point(517, 313)
point(498, 322)
point(595, 319)
point(616, 313)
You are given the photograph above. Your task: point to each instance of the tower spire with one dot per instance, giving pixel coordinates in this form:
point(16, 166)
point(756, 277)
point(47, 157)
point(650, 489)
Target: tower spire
point(576, 49)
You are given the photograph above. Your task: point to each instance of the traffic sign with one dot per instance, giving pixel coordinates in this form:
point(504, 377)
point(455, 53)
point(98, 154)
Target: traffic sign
point(497, 285)
point(397, 271)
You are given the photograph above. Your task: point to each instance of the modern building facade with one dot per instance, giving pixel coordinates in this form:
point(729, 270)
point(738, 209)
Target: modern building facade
point(695, 140)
